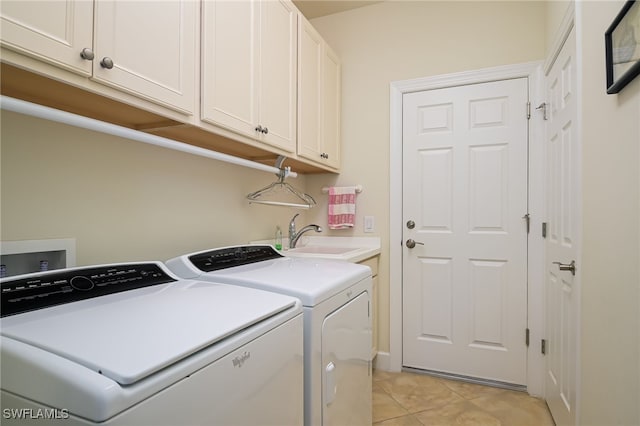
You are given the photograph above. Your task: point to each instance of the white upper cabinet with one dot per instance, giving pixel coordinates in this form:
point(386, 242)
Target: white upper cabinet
point(262, 75)
point(51, 31)
point(249, 57)
point(331, 107)
point(310, 92)
point(229, 63)
point(278, 72)
point(318, 99)
point(146, 48)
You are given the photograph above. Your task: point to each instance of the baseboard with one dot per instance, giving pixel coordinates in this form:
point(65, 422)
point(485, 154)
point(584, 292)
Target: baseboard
point(382, 362)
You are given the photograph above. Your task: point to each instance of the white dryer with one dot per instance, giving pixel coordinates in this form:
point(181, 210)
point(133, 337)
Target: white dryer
point(337, 321)
point(132, 344)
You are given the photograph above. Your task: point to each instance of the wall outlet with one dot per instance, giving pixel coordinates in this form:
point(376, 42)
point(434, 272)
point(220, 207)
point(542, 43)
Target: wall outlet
point(369, 224)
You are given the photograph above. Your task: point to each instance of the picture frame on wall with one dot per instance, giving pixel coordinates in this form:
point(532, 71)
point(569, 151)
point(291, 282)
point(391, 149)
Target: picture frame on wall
point(622, 47)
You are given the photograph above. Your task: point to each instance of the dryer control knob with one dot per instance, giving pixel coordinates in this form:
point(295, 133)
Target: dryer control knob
point(81, 283)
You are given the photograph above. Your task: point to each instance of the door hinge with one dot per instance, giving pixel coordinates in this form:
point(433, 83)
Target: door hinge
point(528, 110)
point(527, 218)
point(369, 309)
point(544, 229)
point(543, 347)
point(526, 337)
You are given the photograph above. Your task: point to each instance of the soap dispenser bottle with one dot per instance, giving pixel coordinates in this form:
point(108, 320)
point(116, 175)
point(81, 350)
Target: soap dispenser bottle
point(278, 238)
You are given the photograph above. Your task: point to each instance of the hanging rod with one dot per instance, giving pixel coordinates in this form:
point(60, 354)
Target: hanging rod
point(52, 114)
point(359, 189)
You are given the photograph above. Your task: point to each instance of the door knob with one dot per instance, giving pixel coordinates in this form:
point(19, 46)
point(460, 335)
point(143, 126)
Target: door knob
point(567, 266)
point(411, 243)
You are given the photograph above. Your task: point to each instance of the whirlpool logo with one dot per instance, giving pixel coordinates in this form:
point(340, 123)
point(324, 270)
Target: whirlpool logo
point(241, 359)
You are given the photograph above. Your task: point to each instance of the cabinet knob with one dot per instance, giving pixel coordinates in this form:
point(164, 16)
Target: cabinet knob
point(324, 155)
point(106, 62)
point(259, 129)
point(265, 130)
point(87, 54)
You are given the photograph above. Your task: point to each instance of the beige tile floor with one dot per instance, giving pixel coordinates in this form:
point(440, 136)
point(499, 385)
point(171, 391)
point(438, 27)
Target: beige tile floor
point(410, 399)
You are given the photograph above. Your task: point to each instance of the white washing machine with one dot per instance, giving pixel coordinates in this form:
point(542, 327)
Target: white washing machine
point(337, 321)
point(132, 344)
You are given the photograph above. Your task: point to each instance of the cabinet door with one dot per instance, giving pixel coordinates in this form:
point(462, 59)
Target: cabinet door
point(152, 47)
point(309, 92)
point(319, 98)
point(229, 65)
point(331, 108)
point(278, 73)
point(52, 31)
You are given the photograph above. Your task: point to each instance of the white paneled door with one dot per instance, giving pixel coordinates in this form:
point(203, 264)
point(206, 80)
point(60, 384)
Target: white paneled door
point(562, 236)
point(465, 230)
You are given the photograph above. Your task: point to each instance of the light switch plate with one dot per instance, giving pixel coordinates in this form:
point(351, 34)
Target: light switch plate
point(369, 224)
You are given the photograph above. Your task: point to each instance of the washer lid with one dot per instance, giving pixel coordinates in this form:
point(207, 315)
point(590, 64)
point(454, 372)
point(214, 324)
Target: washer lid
point(310, 280)
point(129, 336)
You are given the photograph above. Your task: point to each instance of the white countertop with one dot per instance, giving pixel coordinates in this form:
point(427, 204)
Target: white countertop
point(351, 249)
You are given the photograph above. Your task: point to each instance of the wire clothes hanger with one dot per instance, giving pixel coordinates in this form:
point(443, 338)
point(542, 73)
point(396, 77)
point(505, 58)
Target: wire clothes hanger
point(280, 193)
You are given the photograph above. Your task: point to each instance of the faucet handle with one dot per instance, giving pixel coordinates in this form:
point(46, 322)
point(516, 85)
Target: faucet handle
point(292, 225)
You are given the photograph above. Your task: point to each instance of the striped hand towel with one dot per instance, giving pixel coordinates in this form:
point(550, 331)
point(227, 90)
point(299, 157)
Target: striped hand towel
point(342, 207)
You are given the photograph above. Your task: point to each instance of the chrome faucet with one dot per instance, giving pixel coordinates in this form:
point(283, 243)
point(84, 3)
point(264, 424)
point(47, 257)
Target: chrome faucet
point(295, 236)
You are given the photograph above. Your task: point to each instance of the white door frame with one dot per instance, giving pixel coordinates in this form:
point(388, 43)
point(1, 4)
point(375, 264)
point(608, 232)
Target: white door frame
point(537, 209)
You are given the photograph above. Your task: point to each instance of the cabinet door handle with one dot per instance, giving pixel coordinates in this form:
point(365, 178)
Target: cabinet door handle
point(106, 62)
point(324, 155)
point(87, 54)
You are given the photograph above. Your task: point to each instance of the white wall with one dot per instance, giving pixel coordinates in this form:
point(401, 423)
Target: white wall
point(400, 40)
point(610, 347)
point(124, 200)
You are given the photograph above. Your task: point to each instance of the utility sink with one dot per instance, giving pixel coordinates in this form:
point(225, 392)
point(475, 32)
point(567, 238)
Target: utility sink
point(323, 250)
point(351, 249)
point(330, 251)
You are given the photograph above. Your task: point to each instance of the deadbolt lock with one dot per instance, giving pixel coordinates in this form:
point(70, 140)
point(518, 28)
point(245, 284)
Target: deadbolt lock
point(411, 224)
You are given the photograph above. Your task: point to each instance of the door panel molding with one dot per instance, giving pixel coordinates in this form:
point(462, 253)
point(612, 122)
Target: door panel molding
point(392, 361)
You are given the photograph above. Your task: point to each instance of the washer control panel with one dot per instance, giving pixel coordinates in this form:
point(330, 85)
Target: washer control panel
point(37, 291)
point(229, 257)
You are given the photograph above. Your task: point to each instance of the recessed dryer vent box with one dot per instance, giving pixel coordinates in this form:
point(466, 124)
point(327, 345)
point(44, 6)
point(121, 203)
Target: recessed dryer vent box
point(23, 257)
